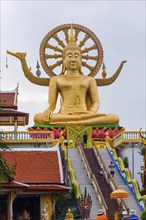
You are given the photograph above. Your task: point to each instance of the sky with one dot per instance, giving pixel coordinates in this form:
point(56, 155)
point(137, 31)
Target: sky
point(120, 27)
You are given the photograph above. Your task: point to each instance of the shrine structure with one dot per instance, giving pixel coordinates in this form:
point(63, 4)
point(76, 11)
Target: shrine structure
point(9, 114)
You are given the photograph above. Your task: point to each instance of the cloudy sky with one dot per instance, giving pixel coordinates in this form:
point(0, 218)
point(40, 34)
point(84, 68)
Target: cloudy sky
point(120, 27)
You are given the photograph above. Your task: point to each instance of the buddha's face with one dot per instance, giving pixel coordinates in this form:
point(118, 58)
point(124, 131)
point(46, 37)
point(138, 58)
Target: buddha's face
point(72, 60)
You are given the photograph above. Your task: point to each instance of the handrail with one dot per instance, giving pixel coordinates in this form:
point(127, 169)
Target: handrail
point(128, 136)
point(93, 181)
point(10, 136)
point(108, 177)
point(124, 137)
point(74, 181)
point(132, 134)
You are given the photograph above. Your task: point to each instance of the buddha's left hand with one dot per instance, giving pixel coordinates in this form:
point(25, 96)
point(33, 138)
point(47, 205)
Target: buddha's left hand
point(88, 112)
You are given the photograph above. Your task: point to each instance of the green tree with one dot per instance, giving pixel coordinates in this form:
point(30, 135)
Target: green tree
point(143, 215)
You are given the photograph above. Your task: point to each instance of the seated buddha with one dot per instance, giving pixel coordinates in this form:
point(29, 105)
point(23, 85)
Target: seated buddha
point(69, 215)
point(79, 96)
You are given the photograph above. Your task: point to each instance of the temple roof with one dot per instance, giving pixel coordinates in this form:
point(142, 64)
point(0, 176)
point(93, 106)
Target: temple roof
point(8, 99)
point(35, 166)
point(9, 115)
point(41, 170)
point(34, 188)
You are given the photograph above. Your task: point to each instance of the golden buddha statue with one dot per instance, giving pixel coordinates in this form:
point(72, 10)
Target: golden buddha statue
point(69, 215)
point(79, 95)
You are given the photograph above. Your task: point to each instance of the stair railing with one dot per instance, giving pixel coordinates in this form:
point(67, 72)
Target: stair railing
point(109, 179)
point(93, 180)
point(28, 137)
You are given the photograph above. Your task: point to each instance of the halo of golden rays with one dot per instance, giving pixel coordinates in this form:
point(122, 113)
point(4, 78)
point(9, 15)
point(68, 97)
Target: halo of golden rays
point(51, 49)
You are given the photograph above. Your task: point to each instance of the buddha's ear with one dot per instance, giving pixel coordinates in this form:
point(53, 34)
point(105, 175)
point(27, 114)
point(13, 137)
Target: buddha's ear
point(80, 70)
point(63, 68)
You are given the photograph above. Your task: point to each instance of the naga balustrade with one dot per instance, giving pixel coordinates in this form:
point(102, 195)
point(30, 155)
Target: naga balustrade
point(108, 177)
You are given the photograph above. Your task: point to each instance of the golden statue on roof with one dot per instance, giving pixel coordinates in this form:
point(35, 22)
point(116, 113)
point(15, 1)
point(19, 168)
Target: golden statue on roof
point(71, 77)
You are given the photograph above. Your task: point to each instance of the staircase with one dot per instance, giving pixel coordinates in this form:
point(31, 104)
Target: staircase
point(82, 178)
point(131, 202)
point(104, 186)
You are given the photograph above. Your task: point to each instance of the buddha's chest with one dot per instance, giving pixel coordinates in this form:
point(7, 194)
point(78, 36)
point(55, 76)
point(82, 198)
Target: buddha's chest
point(73, 84)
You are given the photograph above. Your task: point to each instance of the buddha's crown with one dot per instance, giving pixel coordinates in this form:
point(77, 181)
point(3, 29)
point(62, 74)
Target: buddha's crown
point(71, 45)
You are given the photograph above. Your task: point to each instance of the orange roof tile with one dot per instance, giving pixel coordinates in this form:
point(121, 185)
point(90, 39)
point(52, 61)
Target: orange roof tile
point(35, 167)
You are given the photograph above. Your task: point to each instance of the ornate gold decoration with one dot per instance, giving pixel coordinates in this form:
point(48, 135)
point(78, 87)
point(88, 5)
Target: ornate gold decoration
point(51, 51)
point(93, 50)
point(27, 71)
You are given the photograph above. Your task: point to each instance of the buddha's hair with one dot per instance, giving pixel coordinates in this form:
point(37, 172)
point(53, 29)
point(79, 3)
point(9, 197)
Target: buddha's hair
point(71, 44)
point(70, 47)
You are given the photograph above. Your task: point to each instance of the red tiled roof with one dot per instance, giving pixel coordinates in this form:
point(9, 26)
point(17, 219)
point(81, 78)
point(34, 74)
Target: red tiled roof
point(8, 116)
point(7, 100)
point(35, 187)
point(13, 185)
point(35, 167)
point(10, 112)
point(46, 188)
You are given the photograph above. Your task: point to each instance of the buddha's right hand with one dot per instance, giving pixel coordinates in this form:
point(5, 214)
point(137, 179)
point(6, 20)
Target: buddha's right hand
point(47, 115)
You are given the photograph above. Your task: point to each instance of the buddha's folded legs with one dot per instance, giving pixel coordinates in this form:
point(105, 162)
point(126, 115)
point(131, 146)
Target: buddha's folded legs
point(78, 119)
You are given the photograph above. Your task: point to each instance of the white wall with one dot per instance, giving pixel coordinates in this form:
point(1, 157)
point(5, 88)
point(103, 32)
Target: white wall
point(135, 160)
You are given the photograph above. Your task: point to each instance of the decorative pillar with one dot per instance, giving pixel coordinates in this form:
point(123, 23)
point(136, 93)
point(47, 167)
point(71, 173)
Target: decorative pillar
point(46, 203)
point(11, 197)
point(15, 124)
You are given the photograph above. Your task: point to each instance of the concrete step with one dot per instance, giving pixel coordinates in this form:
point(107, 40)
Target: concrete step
point(131, 202)
point(83, 180)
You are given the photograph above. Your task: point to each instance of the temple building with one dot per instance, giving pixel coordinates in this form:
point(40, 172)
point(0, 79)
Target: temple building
point(9, 114)
point(34, 182)
point(31, 179)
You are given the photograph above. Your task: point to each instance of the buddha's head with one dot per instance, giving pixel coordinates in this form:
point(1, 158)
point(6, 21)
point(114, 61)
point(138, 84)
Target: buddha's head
point(69, 210)
point(72, 58)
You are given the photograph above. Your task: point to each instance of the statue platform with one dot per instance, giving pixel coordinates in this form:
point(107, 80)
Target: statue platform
point(74, 133)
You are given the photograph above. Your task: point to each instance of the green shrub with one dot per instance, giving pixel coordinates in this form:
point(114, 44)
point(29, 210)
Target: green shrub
point(143, 215)
point(126, 163)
